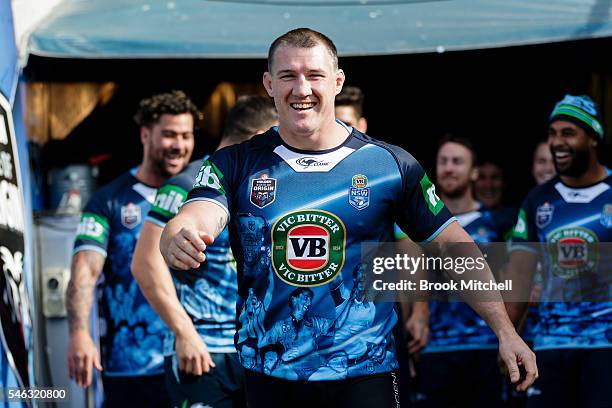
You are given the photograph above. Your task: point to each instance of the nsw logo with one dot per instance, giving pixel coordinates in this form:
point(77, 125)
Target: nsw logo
point(308, 247)
point(359, 193)
point(544, 214)
point(263, 191)
point(130, 215)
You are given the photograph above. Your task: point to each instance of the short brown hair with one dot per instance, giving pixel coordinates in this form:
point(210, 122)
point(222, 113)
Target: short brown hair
point(303, 38)
point(463, 141)
point(351, 96)
point(250, 114)
point(171, 103)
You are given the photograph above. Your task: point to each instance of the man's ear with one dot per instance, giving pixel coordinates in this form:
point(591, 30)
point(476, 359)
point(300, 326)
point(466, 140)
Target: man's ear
point(474, 174)
point(267, 83)
point(362, 125)
point(145, 134)
point(339, 81)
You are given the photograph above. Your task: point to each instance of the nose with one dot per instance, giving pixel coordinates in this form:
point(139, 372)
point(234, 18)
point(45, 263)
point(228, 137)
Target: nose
point(301, 87)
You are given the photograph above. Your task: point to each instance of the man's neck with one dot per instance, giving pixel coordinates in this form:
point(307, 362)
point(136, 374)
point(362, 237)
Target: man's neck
point(594, 174)
point(460, 204)
point(146, 175)
point(323, 139)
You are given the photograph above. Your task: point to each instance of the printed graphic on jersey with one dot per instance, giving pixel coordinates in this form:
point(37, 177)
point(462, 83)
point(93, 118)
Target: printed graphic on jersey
point(520, 229)
point(544, 214)
point(571, 251)
point(429, 194)
point(168, 200)
point(209, 176)
point(130, 215)
point(606, 216)
point(263, 191)
point(308, 247)
point(92, 226)
point(359, 193)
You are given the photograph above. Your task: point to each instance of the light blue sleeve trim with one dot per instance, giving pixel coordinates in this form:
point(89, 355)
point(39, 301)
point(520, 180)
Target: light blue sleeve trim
point(439, 230)
point(519, 247)
point(156, 222)
point(90, 248)
point(212, 201)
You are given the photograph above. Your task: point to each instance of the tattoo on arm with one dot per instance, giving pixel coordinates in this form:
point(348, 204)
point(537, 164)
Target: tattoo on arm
point(221, 223)
point(86, 266)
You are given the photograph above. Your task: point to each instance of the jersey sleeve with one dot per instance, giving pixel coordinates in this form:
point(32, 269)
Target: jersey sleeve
point(524, 231)
point(420, 211)
point(169, 199)
point(213, 180)
point(94, 228)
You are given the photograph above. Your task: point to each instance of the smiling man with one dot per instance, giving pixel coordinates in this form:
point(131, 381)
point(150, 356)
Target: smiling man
point(132, 358)
point(569, 213)
point(312, 221)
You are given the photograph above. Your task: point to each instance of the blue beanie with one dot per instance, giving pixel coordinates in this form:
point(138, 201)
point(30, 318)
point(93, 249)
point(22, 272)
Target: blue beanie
point(580, 110)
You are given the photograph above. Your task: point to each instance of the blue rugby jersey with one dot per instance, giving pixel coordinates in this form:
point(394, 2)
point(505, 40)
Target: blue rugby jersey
point(131, 332)
point(454, 325)
point(568, 220)
point(297, 221)
point(208, 293)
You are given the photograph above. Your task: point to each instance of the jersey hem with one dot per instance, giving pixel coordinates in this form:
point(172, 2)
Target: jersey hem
point(212, 201)
point(90, 248)
point(442, 228)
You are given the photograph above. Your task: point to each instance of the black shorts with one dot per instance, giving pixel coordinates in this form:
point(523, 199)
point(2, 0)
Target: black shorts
point(374, 391)
point(572, 378)
point(145, 391)
point(464, 378)
point(222, 387)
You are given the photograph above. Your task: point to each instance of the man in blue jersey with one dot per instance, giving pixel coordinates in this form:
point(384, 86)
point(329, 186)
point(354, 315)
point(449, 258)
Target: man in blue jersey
point(462, 349)
point(321, 189)
point(132, 334)
point(199, 307)
point(569, 214)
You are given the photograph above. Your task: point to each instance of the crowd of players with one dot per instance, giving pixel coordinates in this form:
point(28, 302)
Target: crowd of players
point(215, 324)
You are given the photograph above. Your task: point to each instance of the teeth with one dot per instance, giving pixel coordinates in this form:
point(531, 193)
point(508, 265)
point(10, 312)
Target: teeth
point(302, 105)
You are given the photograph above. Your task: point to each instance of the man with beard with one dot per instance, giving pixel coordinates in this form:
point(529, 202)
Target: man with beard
point(462, 349)
point(199, 306)
point(105, 242)
point(568, 214)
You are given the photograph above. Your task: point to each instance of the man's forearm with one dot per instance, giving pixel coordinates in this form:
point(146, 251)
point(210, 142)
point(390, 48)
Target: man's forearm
point(86, 267)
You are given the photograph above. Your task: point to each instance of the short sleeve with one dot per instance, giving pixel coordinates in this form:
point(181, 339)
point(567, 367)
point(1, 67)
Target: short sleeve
point(213, 180)
point(420, 211)
point(94, 228)
point(524, 231)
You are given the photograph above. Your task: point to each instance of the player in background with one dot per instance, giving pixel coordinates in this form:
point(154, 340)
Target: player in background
point(132, 334)
point(321, 189)
point(459, 365)
point(349, 108)
point(199, 306)
point(569, 213)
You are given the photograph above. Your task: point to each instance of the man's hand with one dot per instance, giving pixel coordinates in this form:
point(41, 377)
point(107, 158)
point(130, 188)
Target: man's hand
point(185, 250)
point(516, 355)
point(417, 327)
point(192, 354)
point(82, 356)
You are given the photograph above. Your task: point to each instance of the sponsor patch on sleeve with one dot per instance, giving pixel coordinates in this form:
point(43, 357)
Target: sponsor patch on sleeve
point(209, 176)
point(434, 202)
point(169, 200)
point(94, 227)
point(520, 229)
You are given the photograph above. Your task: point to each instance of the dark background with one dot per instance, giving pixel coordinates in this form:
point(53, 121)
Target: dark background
point(499, 98)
